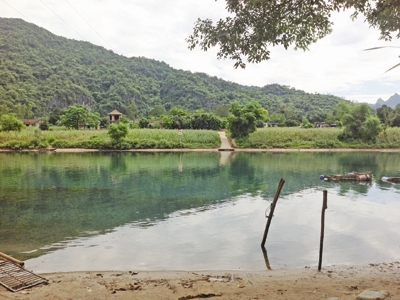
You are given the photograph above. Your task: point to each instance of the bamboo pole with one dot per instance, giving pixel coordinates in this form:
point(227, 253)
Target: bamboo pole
point(321, 244)
point(271, 212)
point(265, 254)
point(7, 257)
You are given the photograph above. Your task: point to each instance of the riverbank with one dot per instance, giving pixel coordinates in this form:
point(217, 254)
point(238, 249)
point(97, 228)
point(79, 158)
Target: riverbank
point(272, 150)
point(342, 282)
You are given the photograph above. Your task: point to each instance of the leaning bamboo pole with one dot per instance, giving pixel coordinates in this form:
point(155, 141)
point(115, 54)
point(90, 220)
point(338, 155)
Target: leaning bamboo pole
point(14, 260)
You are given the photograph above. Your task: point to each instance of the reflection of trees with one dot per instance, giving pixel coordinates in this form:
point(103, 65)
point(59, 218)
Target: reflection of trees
point(356, 187)
point(360, 162)
point(46, 197)
point(243, 174)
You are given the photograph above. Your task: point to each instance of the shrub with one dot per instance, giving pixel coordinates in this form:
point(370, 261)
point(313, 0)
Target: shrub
point(118, 131)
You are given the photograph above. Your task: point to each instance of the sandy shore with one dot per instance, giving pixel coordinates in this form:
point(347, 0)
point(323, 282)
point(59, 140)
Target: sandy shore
point(331, 283)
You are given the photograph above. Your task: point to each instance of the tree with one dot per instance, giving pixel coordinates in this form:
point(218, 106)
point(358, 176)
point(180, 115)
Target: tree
point(396, 119)
point(144, 123)
point(206, 121)
point(222, 110)
point(176, 111)
point(386, 115)
point(360, 125)
point(306, 124)
point(157, 111)
point(338, 112)
point(75, 116)
point(118, 131)
point(10, 122)
point(253, 26)
point(242, 118)
point(55, 115)
point(132, 111)
point(93, 120)
point(166, 122)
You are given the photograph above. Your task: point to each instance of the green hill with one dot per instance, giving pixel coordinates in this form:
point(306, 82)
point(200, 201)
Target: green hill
point(40, 71)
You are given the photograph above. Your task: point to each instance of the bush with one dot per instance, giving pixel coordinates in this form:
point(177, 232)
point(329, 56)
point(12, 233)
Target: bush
point(44, 126)
point(10, 122)
point(118, 131)
point(260, 124)
point(144, 123)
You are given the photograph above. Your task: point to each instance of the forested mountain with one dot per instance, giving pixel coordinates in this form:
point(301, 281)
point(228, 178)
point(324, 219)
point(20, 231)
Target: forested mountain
point(40, 72)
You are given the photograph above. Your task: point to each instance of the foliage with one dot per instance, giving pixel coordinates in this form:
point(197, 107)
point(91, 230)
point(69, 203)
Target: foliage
point(124, 120)
point(10, 122)
point(206, 121)
point(44, 126)
point(306, 124)
point(222, 110)
point(144, 123)
point(118, 131)
point(93, 120)
point(260, 124)
point(176, 111)
point(242, 118)
point(293, 137)
point(158, 111)
point(55, 115)
point(360, 125)
point(41, 74)
point(74, 116)
point(166, 122)
point(338, 112)
point(252, 27)
point(291, 123)
point(132, 111)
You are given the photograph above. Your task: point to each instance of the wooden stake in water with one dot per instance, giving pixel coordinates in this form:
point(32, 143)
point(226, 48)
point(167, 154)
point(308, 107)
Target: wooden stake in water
point(265, 254)
point(321, 244)
point(271, 212)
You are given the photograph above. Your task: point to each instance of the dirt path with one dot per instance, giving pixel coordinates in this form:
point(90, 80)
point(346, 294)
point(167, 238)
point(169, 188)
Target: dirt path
point(225, 145)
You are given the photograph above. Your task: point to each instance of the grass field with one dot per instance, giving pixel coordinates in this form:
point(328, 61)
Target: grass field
point(314, 138)
point(265, 138)
point(32, 138)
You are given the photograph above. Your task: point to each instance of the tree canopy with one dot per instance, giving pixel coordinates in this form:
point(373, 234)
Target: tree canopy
point(78, 115)
point(242, 119)
point(10, 122)
point(253, 26)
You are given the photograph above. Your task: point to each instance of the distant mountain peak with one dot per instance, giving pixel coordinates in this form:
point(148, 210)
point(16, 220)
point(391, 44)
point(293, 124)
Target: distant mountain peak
point(391, 102)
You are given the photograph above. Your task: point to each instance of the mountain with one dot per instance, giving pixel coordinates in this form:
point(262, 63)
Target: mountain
point(391, 102)
point(41, 72)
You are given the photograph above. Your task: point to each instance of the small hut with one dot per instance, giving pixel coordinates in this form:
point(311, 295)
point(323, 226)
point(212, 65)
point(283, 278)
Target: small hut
point(29, 122)
point(115, 115)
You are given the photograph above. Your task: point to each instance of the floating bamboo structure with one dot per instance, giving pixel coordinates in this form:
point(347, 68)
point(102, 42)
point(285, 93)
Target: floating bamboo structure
point(6, 257)
point(391, 179)
point(352, 176)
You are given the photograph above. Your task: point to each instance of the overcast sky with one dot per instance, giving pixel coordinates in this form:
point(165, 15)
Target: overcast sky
point(157, 29)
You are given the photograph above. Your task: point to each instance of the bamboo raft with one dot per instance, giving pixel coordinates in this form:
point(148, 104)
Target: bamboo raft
point(391, 179)
point(352, 176)
point(14, 277)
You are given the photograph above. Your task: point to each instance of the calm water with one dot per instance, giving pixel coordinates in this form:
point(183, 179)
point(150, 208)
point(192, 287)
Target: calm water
point(141, 211)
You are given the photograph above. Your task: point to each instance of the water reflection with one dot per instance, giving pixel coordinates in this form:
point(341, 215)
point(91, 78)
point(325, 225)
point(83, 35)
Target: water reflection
point(54, 203)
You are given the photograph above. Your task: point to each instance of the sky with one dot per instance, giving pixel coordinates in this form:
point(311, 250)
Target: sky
point(336, 65)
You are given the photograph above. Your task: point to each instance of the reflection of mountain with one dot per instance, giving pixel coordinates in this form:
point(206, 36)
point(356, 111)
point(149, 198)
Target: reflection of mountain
point(47, 197)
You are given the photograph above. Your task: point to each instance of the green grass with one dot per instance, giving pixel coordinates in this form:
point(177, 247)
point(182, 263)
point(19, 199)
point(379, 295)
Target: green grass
point(265, 138)
point(314, 138)
point(33, 138)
